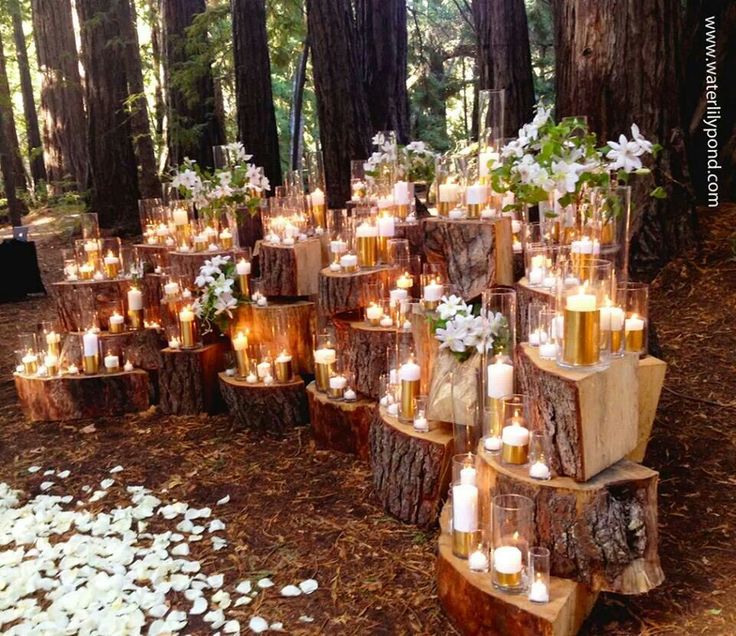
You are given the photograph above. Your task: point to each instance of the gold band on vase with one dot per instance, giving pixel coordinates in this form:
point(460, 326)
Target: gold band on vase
point(401, 211)
point(186, 330)
point(322, 373)
point(463, 543)
point(91, 365)
point(367, 248)
point(111, 270)
point(581, 342)
point(506, 580)
point(283, 371)
point(515, 454)
point(244, 284)
point(243, 363)
point(135, 316)
point(473, 210)
point(409, 390)
point(635, 341)
point(444, 207)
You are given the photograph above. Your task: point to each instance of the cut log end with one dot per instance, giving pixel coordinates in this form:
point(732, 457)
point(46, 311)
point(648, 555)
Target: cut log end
point(340, 292)
point(188, 380)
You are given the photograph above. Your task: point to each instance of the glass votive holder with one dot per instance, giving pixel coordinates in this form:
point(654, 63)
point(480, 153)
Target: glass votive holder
point(188, 328)
point(365, 238)
point(88, 254)
point(116, 319)
point(111, 355)
point(540, 447)
point(49, 337)
point(349, 262)
point(135, 301)
point(466, 534)
point(432, 291)
point(537, 330)
point(409, 380)
point(350, 394)
point(535, 263)
point(70, 264)
point(492, 426)
point(517, 418)
point(478, 559)
point(264, 367)
point(465, 468)
point(29, 354)
point(374, 313)
point(613, 320)
point(325, 357)
point(634, 298)
point(90, 225)
point(397, 250)
point(465, 424)
point(539, 574)
point(512, 531)
point(390, 393)
point(421, 422)
point(283, 366)
point(551, 324)
point(112, 258)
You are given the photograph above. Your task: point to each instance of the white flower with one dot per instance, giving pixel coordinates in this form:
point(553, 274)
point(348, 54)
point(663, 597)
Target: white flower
point(449, 307)
point(624, 154)
point(566, 175)
point(644, 145)
point(453, 335)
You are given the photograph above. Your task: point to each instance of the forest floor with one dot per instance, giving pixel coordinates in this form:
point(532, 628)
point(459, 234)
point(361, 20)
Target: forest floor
point(296, 512)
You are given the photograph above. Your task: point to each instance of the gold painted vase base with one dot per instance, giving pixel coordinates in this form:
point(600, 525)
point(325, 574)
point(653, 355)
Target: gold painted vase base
point(463, 543)
point(507, 582)
point(515, 454)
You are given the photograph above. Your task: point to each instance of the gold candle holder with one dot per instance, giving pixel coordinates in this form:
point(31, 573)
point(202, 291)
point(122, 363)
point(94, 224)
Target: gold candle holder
point(409, 390)
point(444, 207)
point(318, 213)
point(634, 341)
point(430, 305)
point(115, 369)
point(243, 362)
point(244, 284)
point(367, 248)
point(463, 543)
point(507, 580)
point(335, 394)
point(135, 316)
point(473, 210)
point(85, 273)
point(92, 258)
point(350, 269)
point(607, 232)
point(186, 329)
point(382, 242)
point(115, 327)
point(30, 367)
point(322, 373)
point(615, 338)
point(226, 242)
point(91, 364)
point(402, 211)
point(54, 348)
point(53, 369)
point(283, 370)
point(581, 341)
point(515, 454)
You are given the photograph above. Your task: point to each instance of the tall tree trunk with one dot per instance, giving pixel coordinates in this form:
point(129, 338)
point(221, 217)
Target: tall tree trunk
point(10, 132)
point(192, 121)
point(504, 58)
point(35, 150)
point(256, 116)
point(296, 117)
point(15, 206)
point(618, 62)
point(148, 181)
point(113, 173)
point(62, 106)
point(384, 49)
point(159, 108)
point(341, 102)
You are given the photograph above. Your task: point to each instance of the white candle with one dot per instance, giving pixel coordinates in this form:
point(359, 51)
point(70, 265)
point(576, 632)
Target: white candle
point(171, 288)
point(268, 379)
point(174, 343)
point(29, 358)
point(318, 197)
point(365, 230)
point(409, 371)
point(539, 470)
point(225, 234)
point(135, 299)
point(468, 475)
point(500, 379)
point(325, 356)
point(50, 360)
point(53, 338)
point(386, 321)
point(349, 394)
point(581, 301)
point(98, 275)
point(536, 276)
point(111, 361)
point(516, 247)
point(405, 281)
point(335, 267)
point(180, 216)
point(515, 226)
point(240, 341)
point(338, 247)
point(349, 260)
point(456, 214)
point(492, 443)
point(402, 195)
point(465, 508)
point(373, 312)
point(548, 351)
point(507, 559)
point(111, 259)
point(478, 561)
point(515, 435)
point(539, 593)
point(91, 246)
point(90, 343)
point(386, 226)
point(634, 324)
point(251, 378)
point(128, 366)
point(338, 382)
point(289, 241)
point(72, 369)
point(583, 246)
point(612, 318)
point(537, 337)
point(186, 315)
point(264, 369)
point(116, 319)
point(433, 291)
point(397, 295)
point(393, 409)
point(476, 194)
point(421, 424)
point(262, 301)
point(384, 202)
point(448, 192)
point(549, 282)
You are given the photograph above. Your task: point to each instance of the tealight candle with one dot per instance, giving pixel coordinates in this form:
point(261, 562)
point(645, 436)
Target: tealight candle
point(349, 262)
point(349, 395)
point(537, 337)
point(539, 592)
point(405, 282)
point(128, 366)
point(386, 321)
point(72, 369)
point(337, 386)
point(548, 351)
point(251, 378)
point(174, 343)
point(500, 379)
point(263, 369)
point(507, 565)
point(268, 379)
point(397, 295)
point(421, 424)
point(492, 443)
point(478, 561)
point(116, 323)
point(98, 275)
point(539, 470)
point(112, 363)
point(373, 314)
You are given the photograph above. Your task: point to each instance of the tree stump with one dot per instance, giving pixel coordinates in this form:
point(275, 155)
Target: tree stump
point(142, 348)
point(152, 293)
point(411, 471)
point(476, 607)
point(153, 256)
point(75, 397)
point(187, 264)
point(591, 416)
point(474, 254)
point(525, 296)
point(363, 349)
point(274, 408)
point(107, 297)
point(290, 271)
point(602, 533)
point(341, 426)
point(414, 233)
point(188, 380)
point(300, 318)
point(342, 291)
point(519, 268)
point(651, 379)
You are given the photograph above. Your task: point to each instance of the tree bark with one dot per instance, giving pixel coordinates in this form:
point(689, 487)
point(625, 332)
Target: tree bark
point(296, 119)
point(291, 271)
point(384, 48)
point(188, 380)
point(148, 180)
point(193, 125)
point(504, 58)
point(340, 292)
point(9, 131)
point(253, 92)
point(618, 63)
point(15, 207)
point(341, 101)
point(62, 106)
point(35, 150)
point(113, 177)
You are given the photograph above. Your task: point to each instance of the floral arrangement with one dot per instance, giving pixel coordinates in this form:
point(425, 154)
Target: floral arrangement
point(217, 298)
point(564, 158)
point(464, 329)
point(417, 156)
point(239, 184)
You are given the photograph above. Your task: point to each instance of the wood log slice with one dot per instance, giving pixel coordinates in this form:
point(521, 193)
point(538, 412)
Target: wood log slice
point(525, 296)
point(300, 319)
point(341, 426)
point(186, 264)
point(104, 296)
point(73, 397)
point(188, 380)
point(651, 379)
point(290, 271)
point(341, 291)
point(592, 417)
point(274, 408)
point(142, 348)
point(474, 254)
point(153, 256)
point(602, 533)
point(476, 607)
point(411, 470)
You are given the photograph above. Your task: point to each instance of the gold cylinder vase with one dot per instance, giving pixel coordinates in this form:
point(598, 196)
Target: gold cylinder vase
point(318, 214)
point(473, 210)
point(244, 284)
point(30, 368)
point(581, 341)
point(444, 207)
point(409, 390)
point(401, 211)
point(226, 243)
point(506, 580)
point(186, 330)
point(634, 342)
point(322, 373)
point(243, 363)
point(367, 248)
point(283, 370)
point(135, 316)
point(463, 543)
point(515, 454)
point(91, 365)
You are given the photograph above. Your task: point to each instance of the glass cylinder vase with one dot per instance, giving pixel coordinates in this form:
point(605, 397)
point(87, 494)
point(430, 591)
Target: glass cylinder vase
point(512, 533)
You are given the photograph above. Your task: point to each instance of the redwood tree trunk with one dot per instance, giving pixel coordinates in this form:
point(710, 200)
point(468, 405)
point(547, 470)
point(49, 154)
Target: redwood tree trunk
point(618, 62)
point(192, 121)
point(149, 183)
point(113, 173)
point(256, 116)
point(62, 107)
point(15, 209)
point(341, 102)
point(384, 47)
point(35, 151)
point(504, 59)
point(10, 133)
point(296, 118)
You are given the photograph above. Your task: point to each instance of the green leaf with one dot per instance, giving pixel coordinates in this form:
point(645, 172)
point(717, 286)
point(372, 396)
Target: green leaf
point(658, 193)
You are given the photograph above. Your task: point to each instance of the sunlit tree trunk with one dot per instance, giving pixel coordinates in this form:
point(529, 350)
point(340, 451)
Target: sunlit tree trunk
point(256, 117)
point(62, 106)
point(193, 125)
point(341, 102)
point(619, 62)
point(113, 172)
point(15, 207)
point(10, 132)
point(35, 151)
point(296, 115)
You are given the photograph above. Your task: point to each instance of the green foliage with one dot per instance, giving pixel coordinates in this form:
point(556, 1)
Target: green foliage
point(541, 43)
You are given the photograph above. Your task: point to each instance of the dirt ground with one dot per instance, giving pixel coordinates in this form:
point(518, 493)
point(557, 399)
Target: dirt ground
point(296, 512)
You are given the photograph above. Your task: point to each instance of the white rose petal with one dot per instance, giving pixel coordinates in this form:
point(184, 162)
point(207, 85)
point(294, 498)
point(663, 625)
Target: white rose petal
point(215, 581)
point(223, 501)
point(243, 600)
point(34, 469)
point(276, 627)
point(181, 549)
point(216, 525)
point(306, 619)
point(106, 483)
point(199, 606)
point(244, 587)
point(231, 627)
point(265, 583)
point(46, 485)
point(308, 586)
point(64, 474)
point(290, 590)
point(258, 625)
point(216, 617)
point(158, 611)
point(116, 469)
point(46, 473)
